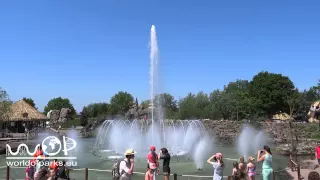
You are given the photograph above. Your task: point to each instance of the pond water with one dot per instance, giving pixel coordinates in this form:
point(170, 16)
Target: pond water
point(181, 165)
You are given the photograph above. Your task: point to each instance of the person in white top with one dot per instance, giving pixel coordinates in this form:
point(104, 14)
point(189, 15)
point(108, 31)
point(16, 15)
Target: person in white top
point(126, 165)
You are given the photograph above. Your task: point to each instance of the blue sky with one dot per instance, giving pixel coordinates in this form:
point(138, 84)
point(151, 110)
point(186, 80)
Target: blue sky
point(89, 50)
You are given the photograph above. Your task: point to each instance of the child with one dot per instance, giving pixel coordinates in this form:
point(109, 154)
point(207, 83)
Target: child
point(235, 169)
point(251, 168)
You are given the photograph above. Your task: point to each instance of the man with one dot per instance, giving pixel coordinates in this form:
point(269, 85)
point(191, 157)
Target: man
point(127, 165)
point(317, 153)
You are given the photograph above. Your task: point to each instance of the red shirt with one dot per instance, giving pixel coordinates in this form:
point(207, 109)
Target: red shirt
point(54, 166)
point(152, 158)
point(318, 152)
point(38, 153)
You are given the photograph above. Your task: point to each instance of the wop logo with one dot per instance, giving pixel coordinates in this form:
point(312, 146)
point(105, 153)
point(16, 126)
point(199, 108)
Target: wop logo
point(51, 146)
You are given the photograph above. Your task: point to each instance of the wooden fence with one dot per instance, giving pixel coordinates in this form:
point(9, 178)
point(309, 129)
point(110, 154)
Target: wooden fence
point(86, 174)
point(294, 166)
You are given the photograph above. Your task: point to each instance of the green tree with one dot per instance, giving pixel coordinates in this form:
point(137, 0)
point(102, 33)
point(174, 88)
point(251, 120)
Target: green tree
point(167, 101)
point(121, 103)
point(202, 104)
point(271, 91)
point(30, 102)
point(215, 107)
point(5, 104)
point(294, 101)
point(187, 107)
point(98, 109)
point(168, 104)
point(240, 101)
point(84, 117)
point(145, 104)
point(59, 103)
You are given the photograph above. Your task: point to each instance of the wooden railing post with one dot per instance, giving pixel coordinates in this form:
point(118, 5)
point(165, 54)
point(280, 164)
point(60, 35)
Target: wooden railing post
point(229, 177)
point(86, 174)
point(274, 175)
point(298, 170)
point(8, 173)
point(175, 177)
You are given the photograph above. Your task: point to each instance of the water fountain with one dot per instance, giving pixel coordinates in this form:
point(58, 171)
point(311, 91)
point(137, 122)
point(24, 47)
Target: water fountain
point(180, 137)
point(250, 141)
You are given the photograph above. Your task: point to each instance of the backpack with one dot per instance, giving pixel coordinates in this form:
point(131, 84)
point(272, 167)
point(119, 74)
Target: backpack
point(116, 174)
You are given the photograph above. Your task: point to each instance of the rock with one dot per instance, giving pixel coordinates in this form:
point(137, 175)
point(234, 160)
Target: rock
point(55, 114)
point(64, 115)
point(303, 148)
point(57, 117)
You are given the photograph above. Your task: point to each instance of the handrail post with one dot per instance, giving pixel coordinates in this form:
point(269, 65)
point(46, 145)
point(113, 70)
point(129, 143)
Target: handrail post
point(273, 175)
point(86, 174)
point(8, 173)
point(175, 177)
point(298, 170)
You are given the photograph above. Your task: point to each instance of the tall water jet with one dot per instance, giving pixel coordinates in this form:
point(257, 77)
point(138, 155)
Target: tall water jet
point(250, 141)
point(180, 137)
point(156, 112)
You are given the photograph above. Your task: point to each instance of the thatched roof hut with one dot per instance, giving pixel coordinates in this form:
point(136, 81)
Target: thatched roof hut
point(22, 111)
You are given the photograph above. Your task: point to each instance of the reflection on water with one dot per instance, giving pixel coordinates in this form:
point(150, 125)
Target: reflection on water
point(179, 165)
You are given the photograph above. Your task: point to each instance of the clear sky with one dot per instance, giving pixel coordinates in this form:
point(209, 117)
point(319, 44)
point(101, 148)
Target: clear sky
point(89, 50)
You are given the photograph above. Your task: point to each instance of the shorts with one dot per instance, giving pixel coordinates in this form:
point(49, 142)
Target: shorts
point(166, 171)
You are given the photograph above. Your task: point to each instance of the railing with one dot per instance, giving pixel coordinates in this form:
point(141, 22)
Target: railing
point(294, 166)
point(86, 173)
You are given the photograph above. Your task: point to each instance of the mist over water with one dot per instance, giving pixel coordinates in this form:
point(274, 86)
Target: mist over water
point(250, 141)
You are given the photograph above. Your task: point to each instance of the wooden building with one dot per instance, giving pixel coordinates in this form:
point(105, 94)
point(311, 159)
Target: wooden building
point(23, 116)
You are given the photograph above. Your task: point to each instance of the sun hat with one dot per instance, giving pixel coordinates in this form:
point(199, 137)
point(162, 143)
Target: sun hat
point(130, 152)
point(152, 148)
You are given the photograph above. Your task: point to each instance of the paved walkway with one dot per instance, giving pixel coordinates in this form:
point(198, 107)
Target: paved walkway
point(304, 172)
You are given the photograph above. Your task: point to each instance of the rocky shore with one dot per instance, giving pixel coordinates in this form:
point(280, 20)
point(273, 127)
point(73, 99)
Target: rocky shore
point(225, 132)
point(279, 132)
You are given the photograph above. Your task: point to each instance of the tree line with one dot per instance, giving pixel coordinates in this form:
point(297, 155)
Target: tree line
point(266, 94)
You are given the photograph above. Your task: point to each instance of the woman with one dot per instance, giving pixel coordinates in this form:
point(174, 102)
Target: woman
point(149, 174)
point(164, 154)
point(218, 165)
point(251, 168)
point(267, 170)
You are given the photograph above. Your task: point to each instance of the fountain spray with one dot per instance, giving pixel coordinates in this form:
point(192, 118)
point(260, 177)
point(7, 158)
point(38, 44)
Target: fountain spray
point(153, 72)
